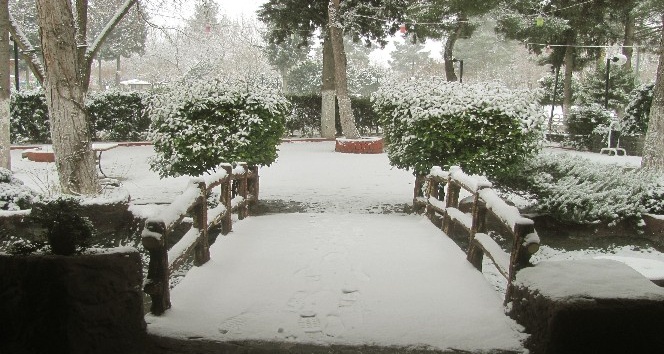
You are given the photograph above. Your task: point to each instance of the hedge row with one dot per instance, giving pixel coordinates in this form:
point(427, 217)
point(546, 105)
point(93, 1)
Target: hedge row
point(304, 119)
point(121, 116)
point(115, 116)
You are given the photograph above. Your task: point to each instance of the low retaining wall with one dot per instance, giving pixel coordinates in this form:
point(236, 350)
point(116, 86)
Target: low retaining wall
point(72, 304)
point(588, 306)
point(360, 145)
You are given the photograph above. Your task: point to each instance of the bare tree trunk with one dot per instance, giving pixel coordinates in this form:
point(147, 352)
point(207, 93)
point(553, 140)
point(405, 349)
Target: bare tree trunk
point(101, 84)
point(117, 71)
point(628, 42)
point(345, 109)
point(70, 126)
point(567, 78)
point(5, 138)
point(329, 103)
point(448, 52)
point(653, 150)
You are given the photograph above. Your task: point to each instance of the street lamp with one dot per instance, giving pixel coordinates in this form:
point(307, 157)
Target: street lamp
point(460, 61)
point(619, 60)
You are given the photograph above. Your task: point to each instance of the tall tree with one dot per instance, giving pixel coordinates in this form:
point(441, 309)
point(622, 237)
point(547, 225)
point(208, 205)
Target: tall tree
point(573, 31)
point(653, 152)
point(5, 143)
point(63, 29)
point(127, 38)
point(368, 21)
point(451, 19)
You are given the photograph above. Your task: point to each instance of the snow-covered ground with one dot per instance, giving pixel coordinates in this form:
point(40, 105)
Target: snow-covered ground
point(348, 269)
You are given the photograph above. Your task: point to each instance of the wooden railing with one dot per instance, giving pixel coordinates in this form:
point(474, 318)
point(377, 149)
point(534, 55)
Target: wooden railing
point(239, 188)
point(446, 214)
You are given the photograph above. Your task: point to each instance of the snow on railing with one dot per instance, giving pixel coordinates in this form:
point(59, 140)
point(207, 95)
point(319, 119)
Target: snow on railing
point(445, 212)
point(239, 188)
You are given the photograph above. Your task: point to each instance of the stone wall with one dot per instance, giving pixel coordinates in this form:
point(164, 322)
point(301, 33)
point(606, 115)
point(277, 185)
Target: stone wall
point(72, 304)
point(588, 306)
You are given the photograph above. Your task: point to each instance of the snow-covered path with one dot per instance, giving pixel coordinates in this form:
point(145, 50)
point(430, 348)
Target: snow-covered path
point(340, 274)
point(354, 279)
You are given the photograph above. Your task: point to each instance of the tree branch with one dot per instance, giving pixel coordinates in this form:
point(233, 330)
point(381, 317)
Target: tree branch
point(119, 15)
point(28, 51)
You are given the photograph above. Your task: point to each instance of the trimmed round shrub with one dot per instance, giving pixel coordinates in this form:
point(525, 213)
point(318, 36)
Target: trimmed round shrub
point(486, 129)
point(118, 116)
point(13, 194)
point(29, 118)
point(637, 112)
point(585, 121)
point(197, 126)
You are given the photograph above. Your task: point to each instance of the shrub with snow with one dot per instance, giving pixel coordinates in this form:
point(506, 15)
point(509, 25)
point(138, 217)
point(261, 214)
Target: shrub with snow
point(29, 117)
point(585, 121)
point(575, 189)
point(484, 128)
point(118, 116)
point(637, 112)
point(13, 194)
point(198, 125)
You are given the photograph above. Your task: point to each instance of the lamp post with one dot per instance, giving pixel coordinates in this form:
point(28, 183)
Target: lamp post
point(460, 61)
point(619, 60)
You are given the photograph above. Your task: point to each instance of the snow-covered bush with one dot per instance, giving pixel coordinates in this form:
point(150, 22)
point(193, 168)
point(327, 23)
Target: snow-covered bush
point(198, 125)
point(546, 83)
point(118, 116)
point(67, 232)
point(575, 189)
point(637, 112)
point(13, 194)
point(593, 87)
point(484, 128)
point(29, 117)
point(585, 121)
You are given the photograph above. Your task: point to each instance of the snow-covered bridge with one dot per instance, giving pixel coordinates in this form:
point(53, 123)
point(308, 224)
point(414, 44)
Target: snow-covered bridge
point(347, 270)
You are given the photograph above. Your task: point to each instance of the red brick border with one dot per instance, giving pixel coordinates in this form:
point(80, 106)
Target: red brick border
point(372, 145)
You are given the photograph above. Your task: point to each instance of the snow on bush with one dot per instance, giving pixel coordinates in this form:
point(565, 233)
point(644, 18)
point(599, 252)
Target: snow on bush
point(584, 122)
point(575, 189)
point(118, 116)
point(198, 125)
point(637, 112)
point(13, 194)
point(484, 128)
point(29, 117)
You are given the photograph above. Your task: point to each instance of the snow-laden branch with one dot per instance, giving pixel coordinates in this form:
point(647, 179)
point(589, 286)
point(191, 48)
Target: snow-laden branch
point(29, 52)
point(112, 23)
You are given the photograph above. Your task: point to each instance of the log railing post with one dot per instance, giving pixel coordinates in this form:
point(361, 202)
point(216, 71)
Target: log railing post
point(452, 201)
point(475, 255)
point(420, 179)
point(521, 252)
point(225, 199)
point(157, 284)
point(253, 185)
point(199, 214)
point(243, 208)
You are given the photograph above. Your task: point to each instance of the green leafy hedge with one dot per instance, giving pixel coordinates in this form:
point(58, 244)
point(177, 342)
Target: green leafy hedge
point(485, 129)
point(305, 115)
point(118, 116)
point(29, 117)
point(197, 126)
point(114, 115)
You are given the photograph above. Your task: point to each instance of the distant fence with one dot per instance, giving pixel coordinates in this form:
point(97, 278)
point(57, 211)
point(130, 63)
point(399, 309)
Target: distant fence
point(446, 214)
point(239, 187)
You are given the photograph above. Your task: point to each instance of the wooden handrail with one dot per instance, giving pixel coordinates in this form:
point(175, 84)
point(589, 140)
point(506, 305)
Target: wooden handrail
point(446, 214)
point(193, 202)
